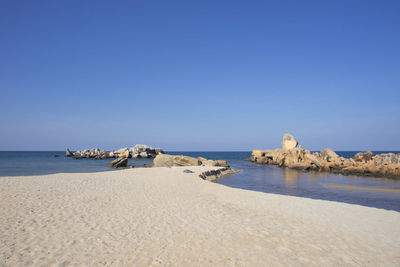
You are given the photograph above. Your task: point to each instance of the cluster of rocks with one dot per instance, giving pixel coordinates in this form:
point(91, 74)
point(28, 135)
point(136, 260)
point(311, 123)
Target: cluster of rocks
point(164, 160)
point(363, 163)
point(138, 151)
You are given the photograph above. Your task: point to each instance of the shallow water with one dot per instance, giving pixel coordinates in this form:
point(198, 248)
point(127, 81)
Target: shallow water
point(269, 179)
point(272, 179)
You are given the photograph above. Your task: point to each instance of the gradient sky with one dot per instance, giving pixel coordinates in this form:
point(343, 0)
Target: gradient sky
point(199, 75)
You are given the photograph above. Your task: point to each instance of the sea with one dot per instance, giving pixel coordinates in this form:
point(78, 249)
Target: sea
point(263, 178)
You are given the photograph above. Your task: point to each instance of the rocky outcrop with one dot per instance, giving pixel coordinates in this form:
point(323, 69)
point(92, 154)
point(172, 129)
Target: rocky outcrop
point(138, 151)
point(364, 156)
point(118, 163)
point(164, 160)
point(386, 158)
point(363, 163)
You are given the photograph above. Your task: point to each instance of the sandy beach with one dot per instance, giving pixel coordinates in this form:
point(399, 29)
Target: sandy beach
point(163, 216)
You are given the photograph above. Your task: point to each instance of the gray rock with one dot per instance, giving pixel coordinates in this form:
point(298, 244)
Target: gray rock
point(118, 163)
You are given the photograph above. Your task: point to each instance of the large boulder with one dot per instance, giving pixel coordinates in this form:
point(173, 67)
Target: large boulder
point(164, 160)
point(209, 162)
point(144, 151)
point(329, 155)
point(143, 154)
point(102, 155)
point(125, 154)
point(289, 142)
point(140, 148)
point(118, 163)
point(118, 153)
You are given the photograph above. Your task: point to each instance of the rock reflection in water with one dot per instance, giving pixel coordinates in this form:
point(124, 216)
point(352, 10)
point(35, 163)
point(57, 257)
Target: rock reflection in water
point(272, 179)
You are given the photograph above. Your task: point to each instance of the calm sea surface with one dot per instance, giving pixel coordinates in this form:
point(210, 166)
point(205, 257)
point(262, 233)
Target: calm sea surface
point(262, 178)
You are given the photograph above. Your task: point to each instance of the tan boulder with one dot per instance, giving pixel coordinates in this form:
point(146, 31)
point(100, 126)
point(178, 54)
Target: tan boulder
point(329, 155)
point(289, 142)
point(164, 160)
point(118, 163)
point(257, 153)
point(208, 162)
point(185, 161)
point(221, 163)
point(125, 154)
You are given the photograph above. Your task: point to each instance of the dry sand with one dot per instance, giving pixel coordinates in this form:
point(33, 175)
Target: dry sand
point(162, 216)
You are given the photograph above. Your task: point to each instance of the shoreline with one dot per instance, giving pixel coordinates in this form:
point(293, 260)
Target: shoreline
point(163, 216)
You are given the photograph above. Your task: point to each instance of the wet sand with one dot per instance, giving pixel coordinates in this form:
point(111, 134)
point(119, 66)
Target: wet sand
point(163, 216)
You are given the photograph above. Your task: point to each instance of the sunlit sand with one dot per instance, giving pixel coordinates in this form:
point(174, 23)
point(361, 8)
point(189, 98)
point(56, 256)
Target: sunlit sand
point(163, 216)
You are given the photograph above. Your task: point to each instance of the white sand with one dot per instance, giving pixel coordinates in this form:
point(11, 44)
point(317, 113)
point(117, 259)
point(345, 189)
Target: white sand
point(162, 216)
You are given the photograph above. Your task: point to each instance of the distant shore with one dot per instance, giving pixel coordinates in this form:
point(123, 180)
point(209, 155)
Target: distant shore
point(165, 216)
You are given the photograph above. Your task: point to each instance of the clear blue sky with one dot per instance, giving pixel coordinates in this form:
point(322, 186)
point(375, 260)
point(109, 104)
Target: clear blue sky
point(199, 75)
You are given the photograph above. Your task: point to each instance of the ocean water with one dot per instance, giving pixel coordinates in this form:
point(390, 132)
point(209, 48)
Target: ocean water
point(269, 179)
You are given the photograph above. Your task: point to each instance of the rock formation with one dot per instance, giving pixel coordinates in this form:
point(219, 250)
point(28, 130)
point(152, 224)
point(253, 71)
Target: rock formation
point(138, 151)
point(288, 142)
point(118, 163)
point(364, 156)
point(164, 160)
point(363, 163)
